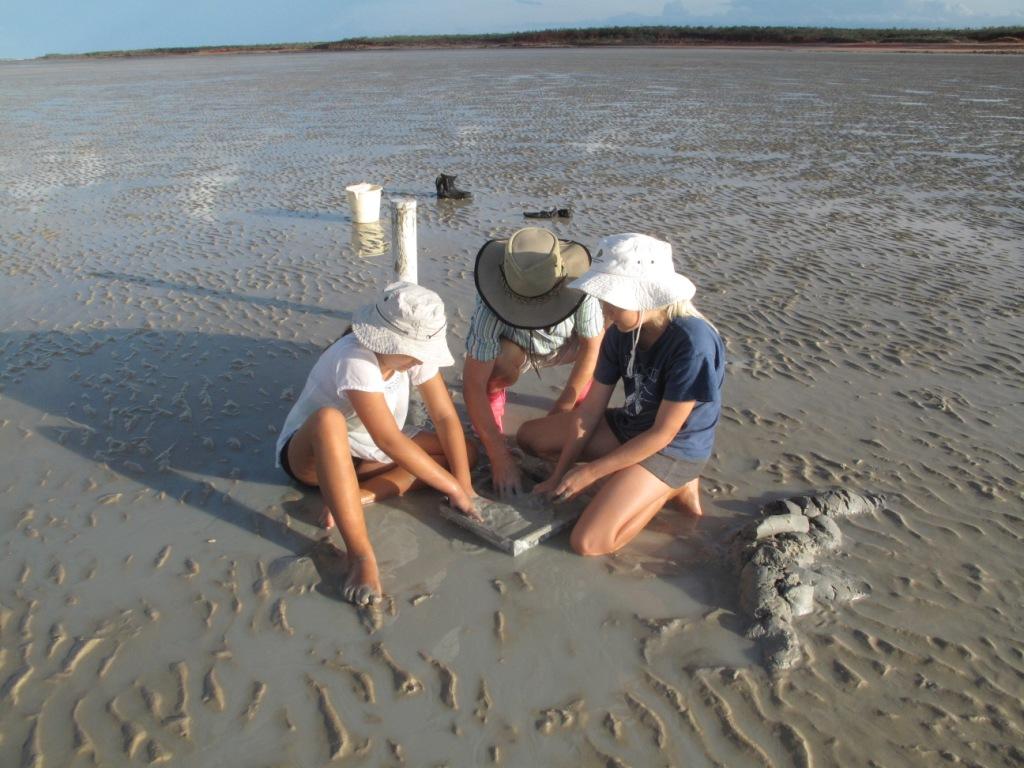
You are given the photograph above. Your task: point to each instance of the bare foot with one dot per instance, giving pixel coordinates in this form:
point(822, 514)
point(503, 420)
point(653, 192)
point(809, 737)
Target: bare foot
point(687, 500)
point(362, 585)
point(326, 520)
point(366, 496)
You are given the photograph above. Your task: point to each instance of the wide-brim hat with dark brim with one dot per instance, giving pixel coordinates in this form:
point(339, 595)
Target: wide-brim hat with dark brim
point(524, 279)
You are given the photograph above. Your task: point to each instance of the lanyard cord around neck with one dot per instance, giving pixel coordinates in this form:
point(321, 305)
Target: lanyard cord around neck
point(531, 357)
point(636, 340)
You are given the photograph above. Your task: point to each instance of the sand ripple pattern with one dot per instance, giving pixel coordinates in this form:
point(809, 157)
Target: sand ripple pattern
point(175, 250)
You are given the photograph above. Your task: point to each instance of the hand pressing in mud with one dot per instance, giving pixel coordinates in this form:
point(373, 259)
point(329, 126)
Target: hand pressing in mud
point(507, 477)
point(362, 585)
point(466, 504)
point(546, 487)
point(574, 482)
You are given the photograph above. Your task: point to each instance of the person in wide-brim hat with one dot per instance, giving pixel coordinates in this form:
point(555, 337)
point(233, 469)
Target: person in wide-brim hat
point(347, 431)
point(527, 316)
point(524, 279)
point(671, 360)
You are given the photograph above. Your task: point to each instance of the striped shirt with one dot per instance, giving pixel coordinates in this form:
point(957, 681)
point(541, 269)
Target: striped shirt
point(486, 330)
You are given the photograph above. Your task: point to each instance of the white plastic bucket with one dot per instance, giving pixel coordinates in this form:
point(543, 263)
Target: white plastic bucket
point(364, 200)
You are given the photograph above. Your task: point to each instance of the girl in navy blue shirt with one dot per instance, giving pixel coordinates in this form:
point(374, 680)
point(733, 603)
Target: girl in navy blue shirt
point(672, 362)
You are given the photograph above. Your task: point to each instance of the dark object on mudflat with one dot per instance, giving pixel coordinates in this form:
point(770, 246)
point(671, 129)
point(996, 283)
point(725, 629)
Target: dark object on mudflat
point(446, 189)
point(522, 522)
point(519, 525)
point(779, 579)
point(551, 213)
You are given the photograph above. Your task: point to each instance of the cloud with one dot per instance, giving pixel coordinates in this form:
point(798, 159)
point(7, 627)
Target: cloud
point(529, 2)
point(679, 10)
point(927, 14)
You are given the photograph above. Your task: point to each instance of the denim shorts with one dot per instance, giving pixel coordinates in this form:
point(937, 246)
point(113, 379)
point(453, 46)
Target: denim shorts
point(673, 472)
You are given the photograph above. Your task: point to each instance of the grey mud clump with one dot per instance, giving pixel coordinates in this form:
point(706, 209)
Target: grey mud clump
point(779, 580)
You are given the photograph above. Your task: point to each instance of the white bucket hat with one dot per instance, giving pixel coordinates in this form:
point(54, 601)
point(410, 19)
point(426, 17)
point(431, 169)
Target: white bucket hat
point(407, 320)
point(634, 272)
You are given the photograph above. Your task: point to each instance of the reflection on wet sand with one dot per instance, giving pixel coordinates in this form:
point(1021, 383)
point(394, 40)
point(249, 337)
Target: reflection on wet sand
point(176, 250)
point(368, 240)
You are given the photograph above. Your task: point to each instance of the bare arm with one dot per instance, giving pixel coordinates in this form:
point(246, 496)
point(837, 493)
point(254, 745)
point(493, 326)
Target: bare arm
point(582, 372)
point(373, 411)
point(449, 428)
point(669, 420)
point(506, 474)
point(588, 416)
point(475, 375)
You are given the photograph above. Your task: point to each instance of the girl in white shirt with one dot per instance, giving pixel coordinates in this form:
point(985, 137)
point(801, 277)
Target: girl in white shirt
point(346, 433)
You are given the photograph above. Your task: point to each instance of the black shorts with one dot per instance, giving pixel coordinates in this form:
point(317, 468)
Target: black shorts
point(288, 467)
point(673, 472)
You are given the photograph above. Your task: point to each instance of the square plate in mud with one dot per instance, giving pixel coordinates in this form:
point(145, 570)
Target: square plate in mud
point(519, 525)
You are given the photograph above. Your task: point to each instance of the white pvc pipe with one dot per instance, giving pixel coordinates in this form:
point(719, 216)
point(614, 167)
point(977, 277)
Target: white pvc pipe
point(403, 238)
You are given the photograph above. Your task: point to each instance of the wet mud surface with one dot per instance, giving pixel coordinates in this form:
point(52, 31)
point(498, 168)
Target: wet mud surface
point(520, 522)
point(175, 250)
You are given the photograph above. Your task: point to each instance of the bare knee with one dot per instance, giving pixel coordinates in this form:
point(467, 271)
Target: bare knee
point(530, 437)
point(591, 543)
point(327, 421)
point(322, 430)
point(524, 437)
point(328, 431)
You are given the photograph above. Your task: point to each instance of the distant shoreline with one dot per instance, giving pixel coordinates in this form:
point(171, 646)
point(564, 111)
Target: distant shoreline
point(995, 40)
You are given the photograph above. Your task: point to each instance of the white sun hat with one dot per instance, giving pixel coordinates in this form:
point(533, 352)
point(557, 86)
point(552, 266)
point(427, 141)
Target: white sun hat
point(407, 320)
point(634, 272)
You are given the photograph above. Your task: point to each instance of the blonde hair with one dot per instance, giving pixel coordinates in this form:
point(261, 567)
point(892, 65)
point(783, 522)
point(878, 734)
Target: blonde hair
point(685, 309)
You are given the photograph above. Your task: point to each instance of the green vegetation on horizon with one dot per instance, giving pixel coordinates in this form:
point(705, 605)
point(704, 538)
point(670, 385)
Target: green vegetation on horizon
point(612, 36)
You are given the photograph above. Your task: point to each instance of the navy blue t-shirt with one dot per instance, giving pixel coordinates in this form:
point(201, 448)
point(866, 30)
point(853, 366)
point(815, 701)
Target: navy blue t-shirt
point(687, 362)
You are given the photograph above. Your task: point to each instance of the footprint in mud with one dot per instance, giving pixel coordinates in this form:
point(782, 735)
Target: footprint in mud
point(293, 573)
point(307, 509)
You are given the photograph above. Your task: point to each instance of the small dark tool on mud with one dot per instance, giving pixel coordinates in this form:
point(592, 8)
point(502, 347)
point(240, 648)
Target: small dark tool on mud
point(446, 189)
point(551, 213)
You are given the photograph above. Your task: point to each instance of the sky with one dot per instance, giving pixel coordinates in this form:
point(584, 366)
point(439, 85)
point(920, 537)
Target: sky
point(30, 28)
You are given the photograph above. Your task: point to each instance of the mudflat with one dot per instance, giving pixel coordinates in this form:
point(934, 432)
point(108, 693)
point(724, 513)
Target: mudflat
point(176, 250)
